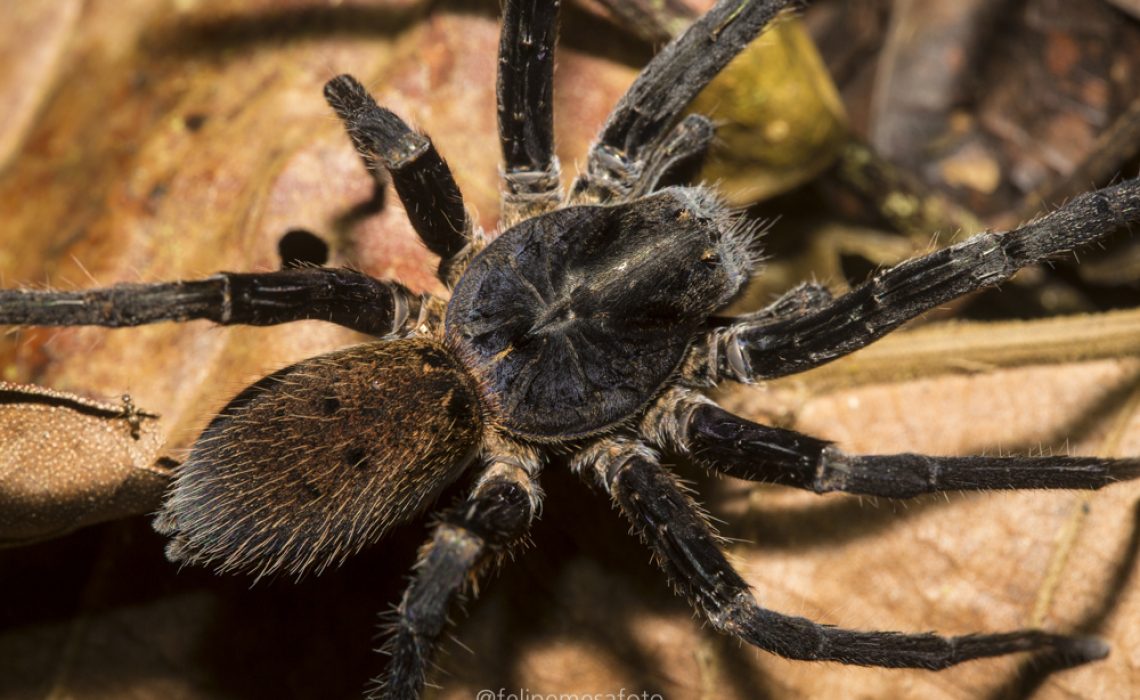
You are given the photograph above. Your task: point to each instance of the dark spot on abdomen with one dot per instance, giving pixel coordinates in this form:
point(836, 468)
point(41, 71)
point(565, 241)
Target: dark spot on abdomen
point(356, 457)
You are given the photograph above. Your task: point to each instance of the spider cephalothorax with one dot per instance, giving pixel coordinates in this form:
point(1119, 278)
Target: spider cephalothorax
point(587, 328)
point(574, 320)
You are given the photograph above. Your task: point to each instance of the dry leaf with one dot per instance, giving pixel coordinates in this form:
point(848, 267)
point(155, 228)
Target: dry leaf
point(68, 462)
point(177, 139)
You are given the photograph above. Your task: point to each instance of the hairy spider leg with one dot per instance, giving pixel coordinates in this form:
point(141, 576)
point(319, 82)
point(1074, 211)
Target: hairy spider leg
point(467, 540)
point(531, 176)
point(678, 157)
point(750, 350)
point(645, 120)
point(422, 179)
point(694, 426)
point(345, 297)
point(686, 548)
point(800, 300)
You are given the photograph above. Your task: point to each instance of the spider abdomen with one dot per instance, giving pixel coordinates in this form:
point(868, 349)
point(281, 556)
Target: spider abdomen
point(321, 458)
point(573, 320)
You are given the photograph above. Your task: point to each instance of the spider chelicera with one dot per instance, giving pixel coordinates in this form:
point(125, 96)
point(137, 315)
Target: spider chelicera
point(589, 327)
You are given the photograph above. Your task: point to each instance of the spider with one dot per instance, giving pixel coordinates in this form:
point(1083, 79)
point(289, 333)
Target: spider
point(589, 328)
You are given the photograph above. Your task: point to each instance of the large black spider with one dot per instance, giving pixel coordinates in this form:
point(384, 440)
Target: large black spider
point(589, 328)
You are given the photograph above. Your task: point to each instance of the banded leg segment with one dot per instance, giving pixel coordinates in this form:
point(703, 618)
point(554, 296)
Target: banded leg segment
point(531, 173)
point(748, 351)
point(686, 548)
point(800, 300)
point(729, 444)
point(421, 177)
point(647, 114)
point(682, 151)
point(468, 538)
point(341, 296)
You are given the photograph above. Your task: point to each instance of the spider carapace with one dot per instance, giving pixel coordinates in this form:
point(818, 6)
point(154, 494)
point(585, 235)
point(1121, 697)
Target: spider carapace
point(575, 319)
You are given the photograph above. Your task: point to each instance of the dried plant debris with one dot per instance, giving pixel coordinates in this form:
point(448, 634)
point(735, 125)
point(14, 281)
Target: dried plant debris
point(219, 144)
point(68, 462)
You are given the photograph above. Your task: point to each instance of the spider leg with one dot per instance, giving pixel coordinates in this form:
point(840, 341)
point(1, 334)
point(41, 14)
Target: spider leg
point(345, 297)
point(421, 177)
point(682, 151)
point(718, 440)
point(531, 183)
point(646, 117)
point(685, 546)
point(468, 539)
point(748, 350)
point(800, 300)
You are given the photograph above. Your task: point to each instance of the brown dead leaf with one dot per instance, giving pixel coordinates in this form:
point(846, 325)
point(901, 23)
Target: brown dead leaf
point(68, 462)
point(176, 139)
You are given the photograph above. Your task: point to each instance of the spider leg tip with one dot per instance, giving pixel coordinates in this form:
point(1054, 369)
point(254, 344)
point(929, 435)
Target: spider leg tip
point(1083, 649)
point(1129, 469)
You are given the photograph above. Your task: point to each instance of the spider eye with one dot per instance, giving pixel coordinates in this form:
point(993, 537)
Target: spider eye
point(710, 259)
